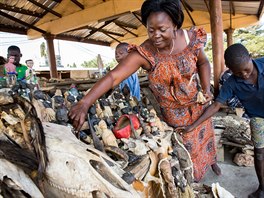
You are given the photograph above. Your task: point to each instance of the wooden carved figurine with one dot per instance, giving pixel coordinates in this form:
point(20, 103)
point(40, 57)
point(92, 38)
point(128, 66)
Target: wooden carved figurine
point(107, 135)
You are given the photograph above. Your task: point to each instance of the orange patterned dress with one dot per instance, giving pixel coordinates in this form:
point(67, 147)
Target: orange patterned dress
point(171, 82)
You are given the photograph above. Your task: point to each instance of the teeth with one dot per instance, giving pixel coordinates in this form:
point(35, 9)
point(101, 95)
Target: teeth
point(71, 191)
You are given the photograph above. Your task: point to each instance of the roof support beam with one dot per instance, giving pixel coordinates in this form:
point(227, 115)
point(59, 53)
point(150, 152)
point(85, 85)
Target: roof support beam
point(187, 10)
point(79, 39)
point(260, 8)
point(207, 6)
point(76, 2)
point(187, 5)
point(21, 22)
point(112, 38)
point(106, 31)
point(138, 17)
point(84, 17)
point(127, 30)
point(95, 30)
point(45, 8)
point(233, 8)
point(119, 23)
point(12, 29)
point(19, 10)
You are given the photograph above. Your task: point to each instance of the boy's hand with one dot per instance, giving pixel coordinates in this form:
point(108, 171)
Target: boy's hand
point(208, 96)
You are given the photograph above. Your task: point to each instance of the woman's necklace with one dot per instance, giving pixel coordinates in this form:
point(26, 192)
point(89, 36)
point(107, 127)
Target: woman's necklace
point(172, 48)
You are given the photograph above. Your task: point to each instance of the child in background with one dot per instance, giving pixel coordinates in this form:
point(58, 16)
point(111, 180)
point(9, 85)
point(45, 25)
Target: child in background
point(20, 69)
point(132, 81)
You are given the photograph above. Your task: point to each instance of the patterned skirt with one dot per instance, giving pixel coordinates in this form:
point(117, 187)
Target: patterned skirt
point(200, 142)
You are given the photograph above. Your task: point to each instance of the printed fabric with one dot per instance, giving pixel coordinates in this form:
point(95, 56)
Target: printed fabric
point(171, 80)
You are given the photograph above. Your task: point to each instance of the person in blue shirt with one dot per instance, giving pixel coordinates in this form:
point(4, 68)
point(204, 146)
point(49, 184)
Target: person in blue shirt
point(132, 81)
point(247, 83)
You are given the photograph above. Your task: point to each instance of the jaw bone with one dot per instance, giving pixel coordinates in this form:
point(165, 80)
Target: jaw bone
point(78, 169)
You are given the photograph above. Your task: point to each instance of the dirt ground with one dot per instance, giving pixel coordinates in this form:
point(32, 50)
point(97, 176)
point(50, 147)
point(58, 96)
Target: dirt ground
point(240, 181)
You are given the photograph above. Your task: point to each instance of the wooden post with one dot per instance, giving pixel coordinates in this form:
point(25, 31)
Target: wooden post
point(217, 41)
point(229, 34)
point(51, 54)
point(100, 65)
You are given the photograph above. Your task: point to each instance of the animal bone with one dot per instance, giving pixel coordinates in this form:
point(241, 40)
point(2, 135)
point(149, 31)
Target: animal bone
point(137, 146)
point(9, 118)
point(119, 154)
point(5, 98)
point(157, 121)
point(18, 138)
point(72, 160)
point(140, 169)
point(20, 179)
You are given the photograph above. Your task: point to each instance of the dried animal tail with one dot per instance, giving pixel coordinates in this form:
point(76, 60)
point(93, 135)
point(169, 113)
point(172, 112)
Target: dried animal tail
point(191, 79)
point(191, 166)
point(39, 143)
point(38, 138)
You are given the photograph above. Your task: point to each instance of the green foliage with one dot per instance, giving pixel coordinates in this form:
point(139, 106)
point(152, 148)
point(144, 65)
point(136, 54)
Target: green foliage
point(111, 64)
point(93, 63)
point(72, 66)
point(251, 37)
point(90, 64)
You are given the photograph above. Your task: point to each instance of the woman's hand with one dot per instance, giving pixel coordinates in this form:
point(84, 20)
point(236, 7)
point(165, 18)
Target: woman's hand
point(185, 129)
point(78, 114)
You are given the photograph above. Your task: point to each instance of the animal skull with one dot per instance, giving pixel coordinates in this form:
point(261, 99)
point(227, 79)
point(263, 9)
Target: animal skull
point(79, 170)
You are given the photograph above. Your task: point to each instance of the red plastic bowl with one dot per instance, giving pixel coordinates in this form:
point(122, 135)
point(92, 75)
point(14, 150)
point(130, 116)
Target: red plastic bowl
point(123, 126)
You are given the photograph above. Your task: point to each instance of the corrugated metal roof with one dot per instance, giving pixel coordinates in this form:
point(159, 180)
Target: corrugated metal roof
point(22, 15)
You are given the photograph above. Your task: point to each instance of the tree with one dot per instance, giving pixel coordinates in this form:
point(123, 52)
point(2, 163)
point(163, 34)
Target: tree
point(251, 37)
point(111, 64)
point(72, 66)
point(90, 64)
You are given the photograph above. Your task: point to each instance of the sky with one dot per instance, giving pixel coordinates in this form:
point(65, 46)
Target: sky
point(71, 52)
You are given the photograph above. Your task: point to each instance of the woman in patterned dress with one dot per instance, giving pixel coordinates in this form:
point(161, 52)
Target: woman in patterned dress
point(173, 58)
